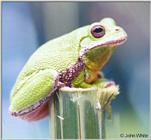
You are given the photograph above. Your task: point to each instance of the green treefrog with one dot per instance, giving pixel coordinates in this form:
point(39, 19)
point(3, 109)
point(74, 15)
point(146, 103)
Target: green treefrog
point(74, 60)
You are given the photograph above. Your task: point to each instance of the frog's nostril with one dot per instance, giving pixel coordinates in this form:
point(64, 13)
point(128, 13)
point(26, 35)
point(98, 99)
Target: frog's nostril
point(117, 29)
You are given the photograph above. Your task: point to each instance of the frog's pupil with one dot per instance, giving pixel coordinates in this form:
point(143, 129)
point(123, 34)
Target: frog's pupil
point(98, 30)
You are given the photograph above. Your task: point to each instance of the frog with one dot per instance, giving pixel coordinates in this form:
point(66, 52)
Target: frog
point(73, 60)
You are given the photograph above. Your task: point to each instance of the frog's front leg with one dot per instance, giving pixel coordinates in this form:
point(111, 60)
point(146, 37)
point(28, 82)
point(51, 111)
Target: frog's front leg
point(99, 84)
point(30, 101)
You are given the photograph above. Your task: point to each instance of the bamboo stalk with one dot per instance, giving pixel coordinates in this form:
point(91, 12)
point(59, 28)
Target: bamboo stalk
point(79, 113)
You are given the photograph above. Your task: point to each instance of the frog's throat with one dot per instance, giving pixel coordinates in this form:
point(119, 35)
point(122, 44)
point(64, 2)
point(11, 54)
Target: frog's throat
point(111, 43)
point(64, 78)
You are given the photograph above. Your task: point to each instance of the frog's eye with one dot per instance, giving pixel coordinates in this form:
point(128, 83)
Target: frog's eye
point(97, 31)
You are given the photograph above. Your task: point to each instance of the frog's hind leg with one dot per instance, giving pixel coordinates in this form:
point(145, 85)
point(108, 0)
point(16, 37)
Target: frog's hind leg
point(37, 114)
point(31, 101)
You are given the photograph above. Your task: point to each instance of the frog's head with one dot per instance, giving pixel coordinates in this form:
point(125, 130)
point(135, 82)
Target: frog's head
point(102, 38)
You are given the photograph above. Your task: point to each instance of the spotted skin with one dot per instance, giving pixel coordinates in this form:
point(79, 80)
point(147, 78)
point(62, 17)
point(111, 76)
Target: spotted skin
point(65, 78)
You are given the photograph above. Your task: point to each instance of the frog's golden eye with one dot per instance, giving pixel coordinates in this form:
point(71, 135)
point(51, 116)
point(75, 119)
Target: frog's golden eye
point(97, 31)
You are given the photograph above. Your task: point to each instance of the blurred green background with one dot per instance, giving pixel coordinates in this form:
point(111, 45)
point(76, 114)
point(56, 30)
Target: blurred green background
point(27, 25)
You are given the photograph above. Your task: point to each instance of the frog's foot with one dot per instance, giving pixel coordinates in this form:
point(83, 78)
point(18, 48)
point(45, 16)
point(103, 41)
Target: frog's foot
point(31, 102)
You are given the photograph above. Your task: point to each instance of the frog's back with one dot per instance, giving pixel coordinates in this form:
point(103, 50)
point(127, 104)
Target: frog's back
point(57, 54)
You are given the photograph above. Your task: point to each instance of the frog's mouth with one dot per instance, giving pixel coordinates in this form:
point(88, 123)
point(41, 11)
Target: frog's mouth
point(112, 43)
